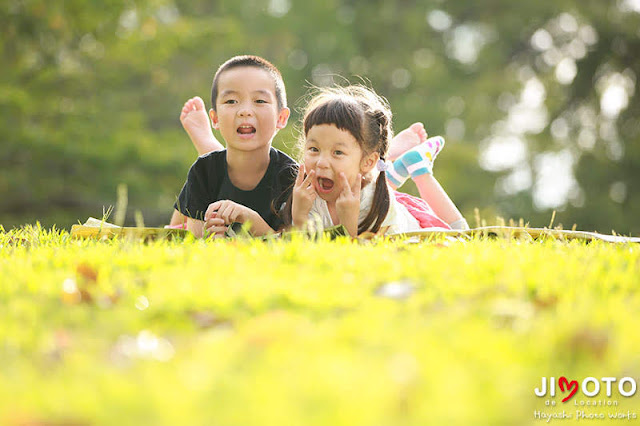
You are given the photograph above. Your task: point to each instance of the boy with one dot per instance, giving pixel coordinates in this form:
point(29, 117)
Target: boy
point(247, 181)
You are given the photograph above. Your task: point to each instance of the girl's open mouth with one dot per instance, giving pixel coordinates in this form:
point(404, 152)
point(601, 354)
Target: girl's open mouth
point(325, 185)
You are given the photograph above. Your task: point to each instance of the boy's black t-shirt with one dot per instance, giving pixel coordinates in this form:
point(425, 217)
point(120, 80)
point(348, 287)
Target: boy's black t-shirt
point(208, 182)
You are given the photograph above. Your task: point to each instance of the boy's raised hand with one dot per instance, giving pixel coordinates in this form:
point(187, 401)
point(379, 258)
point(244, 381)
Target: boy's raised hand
point(304, 194)
point(348, 204)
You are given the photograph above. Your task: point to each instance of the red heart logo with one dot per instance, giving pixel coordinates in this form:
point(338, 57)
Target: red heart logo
point(570, 385)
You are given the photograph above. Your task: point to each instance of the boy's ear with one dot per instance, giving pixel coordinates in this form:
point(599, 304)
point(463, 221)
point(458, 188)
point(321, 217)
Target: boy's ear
point(214, 119)
point(369, 162)
point(283, 117)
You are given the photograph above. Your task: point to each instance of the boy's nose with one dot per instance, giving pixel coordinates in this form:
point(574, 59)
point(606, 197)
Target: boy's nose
point(245, 111)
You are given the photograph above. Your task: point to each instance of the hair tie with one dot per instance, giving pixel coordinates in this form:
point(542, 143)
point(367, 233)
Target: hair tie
point(382, 165)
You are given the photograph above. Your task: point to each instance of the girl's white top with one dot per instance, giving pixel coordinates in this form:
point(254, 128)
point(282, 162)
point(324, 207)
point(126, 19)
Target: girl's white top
point(398, 219)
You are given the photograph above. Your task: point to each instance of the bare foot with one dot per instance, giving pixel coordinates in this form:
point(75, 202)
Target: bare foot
point(195, 121)
point(409, 138)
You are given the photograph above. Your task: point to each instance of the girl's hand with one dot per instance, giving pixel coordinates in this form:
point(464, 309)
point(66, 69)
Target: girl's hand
point(304, 194)
point(348, 204)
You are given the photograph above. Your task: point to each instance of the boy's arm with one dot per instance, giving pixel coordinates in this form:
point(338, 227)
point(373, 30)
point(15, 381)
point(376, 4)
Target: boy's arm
point(195, 226)
point(259, 226)
point(230, 212)
point(177, 218)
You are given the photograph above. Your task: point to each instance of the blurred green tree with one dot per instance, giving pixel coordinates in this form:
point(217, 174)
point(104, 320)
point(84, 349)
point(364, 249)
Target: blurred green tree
point(536, 100)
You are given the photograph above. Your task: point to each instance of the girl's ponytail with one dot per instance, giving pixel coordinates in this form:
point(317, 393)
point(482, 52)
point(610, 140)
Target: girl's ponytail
point(383, 121)
point(379, 206)
point(380, 134)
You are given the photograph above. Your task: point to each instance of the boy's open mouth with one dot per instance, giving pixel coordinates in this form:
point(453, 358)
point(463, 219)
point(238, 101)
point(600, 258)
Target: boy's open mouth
point(246, 130)
point(325, 184)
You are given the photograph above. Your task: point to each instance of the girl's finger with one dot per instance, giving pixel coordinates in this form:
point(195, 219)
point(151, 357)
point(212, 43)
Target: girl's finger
point(300, 176)
point(357, 185)
point(346, 188)
point(311, 189)
point(307, 181)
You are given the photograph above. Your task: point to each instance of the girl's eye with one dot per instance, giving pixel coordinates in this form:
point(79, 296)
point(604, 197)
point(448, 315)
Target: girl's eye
point(338, 152)
point(230, 101)
point(313, 149)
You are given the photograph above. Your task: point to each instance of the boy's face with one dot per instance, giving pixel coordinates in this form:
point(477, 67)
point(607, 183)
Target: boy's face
point(247, 112)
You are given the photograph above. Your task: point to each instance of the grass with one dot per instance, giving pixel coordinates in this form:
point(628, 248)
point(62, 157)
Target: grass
point(337, 332)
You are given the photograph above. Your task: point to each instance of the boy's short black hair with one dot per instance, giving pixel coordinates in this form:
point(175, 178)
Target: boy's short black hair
point(256, 62)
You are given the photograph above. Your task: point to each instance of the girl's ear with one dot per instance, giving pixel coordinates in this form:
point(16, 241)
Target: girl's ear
point(283, 117)
point(369, 162)
point(214, 119)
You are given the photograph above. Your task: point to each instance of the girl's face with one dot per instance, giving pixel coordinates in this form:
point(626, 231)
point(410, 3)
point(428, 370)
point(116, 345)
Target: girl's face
point(330, 151)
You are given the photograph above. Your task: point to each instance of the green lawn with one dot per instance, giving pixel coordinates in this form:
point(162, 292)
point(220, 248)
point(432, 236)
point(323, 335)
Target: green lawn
point(445, 332)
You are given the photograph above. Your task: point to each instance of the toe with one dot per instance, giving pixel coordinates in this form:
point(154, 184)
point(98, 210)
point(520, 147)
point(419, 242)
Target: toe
point(186, 108)
point(419, 130)
point(198, 103)
point(184, 112)
point(194, 104)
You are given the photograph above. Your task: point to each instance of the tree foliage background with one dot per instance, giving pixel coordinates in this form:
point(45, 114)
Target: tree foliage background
point(537, 100)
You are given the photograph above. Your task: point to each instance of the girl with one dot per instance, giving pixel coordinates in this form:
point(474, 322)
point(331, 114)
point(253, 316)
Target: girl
point(342, 179)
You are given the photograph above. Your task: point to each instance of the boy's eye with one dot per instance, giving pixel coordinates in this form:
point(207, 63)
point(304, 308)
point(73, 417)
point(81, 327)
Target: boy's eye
point(338, 152)
point(261, 101)
point(312, 149)
point(230, 101)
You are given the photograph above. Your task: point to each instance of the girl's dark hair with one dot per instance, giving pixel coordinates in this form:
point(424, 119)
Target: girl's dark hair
point(255, 62)
point(367, 117)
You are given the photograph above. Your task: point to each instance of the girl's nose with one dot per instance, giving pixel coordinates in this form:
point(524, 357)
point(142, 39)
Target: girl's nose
point(322, 162)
